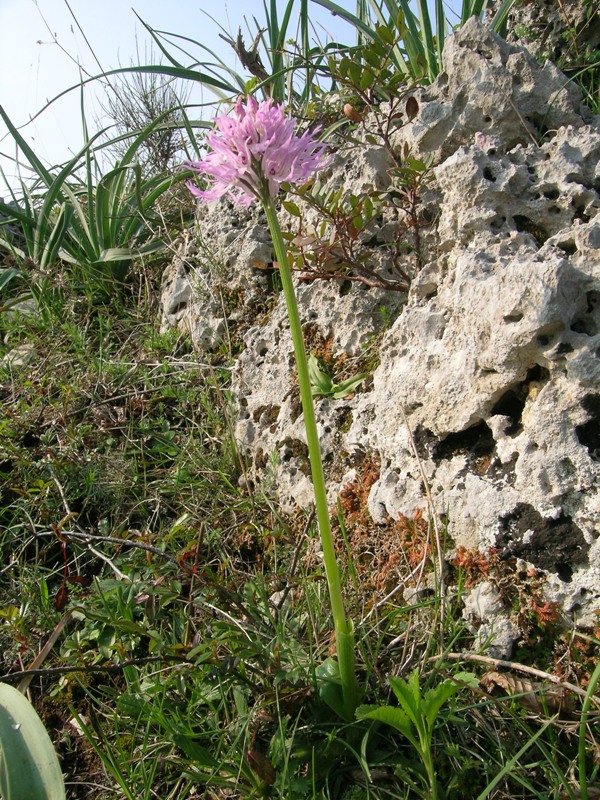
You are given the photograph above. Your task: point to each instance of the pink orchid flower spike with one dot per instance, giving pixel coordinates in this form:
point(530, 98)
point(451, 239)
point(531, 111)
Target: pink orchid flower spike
point(255, 149)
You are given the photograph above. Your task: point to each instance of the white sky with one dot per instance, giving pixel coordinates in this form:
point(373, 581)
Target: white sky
point(34, 68)
point(41, 48)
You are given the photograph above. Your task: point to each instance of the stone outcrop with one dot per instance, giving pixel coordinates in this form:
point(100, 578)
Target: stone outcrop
point(485, 384)
point(564, 31)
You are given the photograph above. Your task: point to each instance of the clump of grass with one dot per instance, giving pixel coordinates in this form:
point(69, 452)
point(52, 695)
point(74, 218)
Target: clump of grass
point(196, 610)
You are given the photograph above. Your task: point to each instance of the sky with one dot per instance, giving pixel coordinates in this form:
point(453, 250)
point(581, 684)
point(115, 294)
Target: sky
point(45, 45)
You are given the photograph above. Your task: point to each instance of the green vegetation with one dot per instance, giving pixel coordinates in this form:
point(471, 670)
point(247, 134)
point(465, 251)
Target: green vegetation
point(170, 622)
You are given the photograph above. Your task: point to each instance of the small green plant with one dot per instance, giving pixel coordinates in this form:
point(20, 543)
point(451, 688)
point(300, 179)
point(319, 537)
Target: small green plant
point(98, 226)
point(417, 715)
point(333, 248)
point(322, 384)
point(369, 71)
point(335, 233)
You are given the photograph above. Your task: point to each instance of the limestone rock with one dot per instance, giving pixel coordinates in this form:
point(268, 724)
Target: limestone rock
point(487, 617)
point(217, 274)
point(486, 378)
point(541, 27)
point(492, 87)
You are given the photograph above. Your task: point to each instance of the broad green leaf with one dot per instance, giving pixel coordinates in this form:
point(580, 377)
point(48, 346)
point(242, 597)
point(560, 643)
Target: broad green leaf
point(29, 767)
point(7, 274)
point(355, 72)
point(408, 694)
point(320, 382)
point(291, 208)
point(395, 717)
point(346, 387)
point(330, 685)
point(435, 698)
point(385, 34)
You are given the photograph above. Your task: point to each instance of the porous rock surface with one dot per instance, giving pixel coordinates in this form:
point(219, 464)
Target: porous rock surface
point(488, 380)
point(561, 30)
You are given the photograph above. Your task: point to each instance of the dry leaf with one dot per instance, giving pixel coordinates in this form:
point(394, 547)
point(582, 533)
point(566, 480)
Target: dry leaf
point(351, 113)
point(261, 766)
point(536, 697)
point(62, 597)
point(411, 108)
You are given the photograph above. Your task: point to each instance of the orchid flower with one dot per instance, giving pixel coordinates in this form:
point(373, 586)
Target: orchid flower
point(252, 152)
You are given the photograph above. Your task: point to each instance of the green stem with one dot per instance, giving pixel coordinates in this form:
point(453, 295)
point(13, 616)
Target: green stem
point(343, 627)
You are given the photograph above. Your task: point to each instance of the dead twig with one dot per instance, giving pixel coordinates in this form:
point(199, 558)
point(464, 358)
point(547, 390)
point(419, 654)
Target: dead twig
point(53, 671)
point(250, 59)
point(497, 662)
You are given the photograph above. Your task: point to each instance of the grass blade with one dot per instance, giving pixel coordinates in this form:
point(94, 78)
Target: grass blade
point(510, 764)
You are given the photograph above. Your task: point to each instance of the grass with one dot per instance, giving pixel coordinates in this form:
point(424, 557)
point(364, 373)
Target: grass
point(194, 660)
point(170, 620)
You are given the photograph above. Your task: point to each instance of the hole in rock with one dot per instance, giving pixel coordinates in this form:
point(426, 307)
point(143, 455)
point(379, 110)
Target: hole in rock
point(563, 348)
point(579, 207)
point(593, 301)
point(555, 545)
point(580, 326)
point(345, 287)
point(513, 317)
point(551, 194)
point(177, 308)
point(589, 321)
point(525, 225)
point(536, 121)
point(294, 448)
point(489, 175)
point(260, 459)
point(476, 441)
point(581, 215)
point(588, 434)
point(512, 402)
point(569, 247)
point(510, 405)
point(267, 415)
point(424, 441)
point(503, 472)
point(344, 419)
point(497, 223)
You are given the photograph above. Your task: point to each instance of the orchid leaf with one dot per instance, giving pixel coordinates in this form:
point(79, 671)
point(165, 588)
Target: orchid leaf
point(323, 386)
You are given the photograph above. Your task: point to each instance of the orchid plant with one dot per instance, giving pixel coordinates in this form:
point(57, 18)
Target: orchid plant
point(252, 152)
